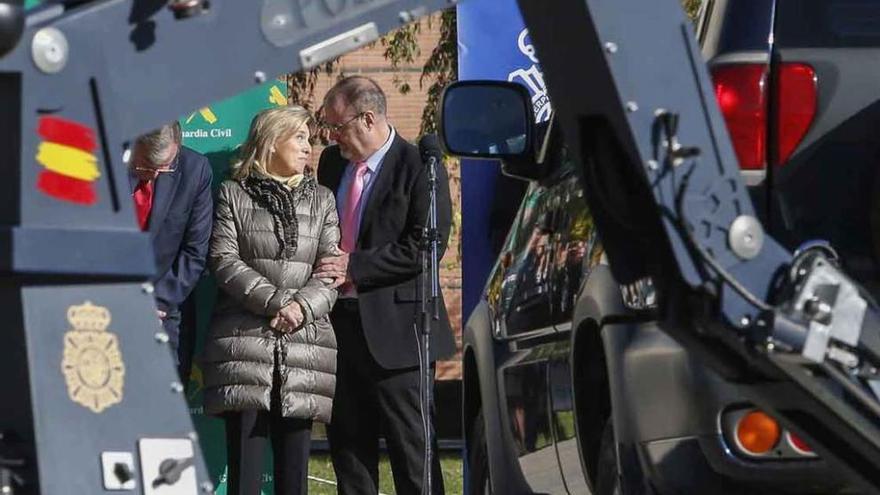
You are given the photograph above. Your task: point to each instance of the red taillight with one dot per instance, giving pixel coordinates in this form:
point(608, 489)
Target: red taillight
point(799, 444)
point(797, 106)
point(740, 90)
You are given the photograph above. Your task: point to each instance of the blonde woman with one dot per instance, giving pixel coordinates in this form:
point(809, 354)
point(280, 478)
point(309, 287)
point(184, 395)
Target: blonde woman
point(270, 358)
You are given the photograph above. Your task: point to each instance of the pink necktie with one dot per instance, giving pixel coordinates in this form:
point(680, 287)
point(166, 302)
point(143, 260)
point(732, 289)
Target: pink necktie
point(350, 217)
point(352, 203)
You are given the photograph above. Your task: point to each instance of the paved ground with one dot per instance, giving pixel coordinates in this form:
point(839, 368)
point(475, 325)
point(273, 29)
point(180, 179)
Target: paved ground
point(541, 468)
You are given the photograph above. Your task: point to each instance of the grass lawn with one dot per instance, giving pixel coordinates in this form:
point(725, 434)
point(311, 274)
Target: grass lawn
point(321, 467)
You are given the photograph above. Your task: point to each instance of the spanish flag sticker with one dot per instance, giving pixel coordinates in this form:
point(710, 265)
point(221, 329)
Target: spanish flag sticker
point(71, 168)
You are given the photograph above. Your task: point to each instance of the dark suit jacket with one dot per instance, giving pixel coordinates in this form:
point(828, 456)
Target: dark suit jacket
point(180, 227)
point(386, 263)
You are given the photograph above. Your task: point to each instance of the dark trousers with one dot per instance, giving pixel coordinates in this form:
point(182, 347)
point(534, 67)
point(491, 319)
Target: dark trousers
point(180, 325)
point(171, 325)
point(187, 340)
point(370, 399)
point(246, 435)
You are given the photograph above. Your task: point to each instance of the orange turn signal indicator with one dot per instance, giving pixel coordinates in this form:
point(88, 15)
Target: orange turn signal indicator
point(757, 433)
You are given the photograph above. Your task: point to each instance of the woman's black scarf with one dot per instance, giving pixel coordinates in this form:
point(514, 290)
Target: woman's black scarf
point(281, 204)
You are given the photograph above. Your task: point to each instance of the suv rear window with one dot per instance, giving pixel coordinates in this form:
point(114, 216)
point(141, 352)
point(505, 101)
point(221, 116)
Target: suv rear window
point(828, 23)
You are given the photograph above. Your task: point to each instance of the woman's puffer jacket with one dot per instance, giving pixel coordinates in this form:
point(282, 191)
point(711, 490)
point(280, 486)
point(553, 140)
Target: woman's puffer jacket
point(262, 256)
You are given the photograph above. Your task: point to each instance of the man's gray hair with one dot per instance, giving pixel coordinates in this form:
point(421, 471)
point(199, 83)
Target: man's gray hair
point(361, 93)
point(155, 144)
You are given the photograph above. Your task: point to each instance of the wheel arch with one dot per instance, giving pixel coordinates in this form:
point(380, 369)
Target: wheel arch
point(479, 379)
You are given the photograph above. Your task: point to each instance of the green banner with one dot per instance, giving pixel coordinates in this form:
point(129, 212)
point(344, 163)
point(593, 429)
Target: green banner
point(216, 132)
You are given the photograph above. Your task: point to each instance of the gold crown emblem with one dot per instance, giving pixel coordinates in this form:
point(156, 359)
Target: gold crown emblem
point(89, 317)
point(92, 364)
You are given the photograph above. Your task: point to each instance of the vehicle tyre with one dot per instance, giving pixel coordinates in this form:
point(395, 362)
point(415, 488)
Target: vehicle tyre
point(608, 480)
point(479, 482)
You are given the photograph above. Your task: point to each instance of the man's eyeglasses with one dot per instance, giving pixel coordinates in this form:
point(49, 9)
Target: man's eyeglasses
point(336, 128)
point(161, 169)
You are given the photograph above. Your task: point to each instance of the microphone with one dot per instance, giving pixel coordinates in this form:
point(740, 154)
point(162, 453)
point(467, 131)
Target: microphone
point(429, 297)
point(429, 148)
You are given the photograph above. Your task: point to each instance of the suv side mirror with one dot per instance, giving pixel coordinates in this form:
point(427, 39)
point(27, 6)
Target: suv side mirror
point(491, 120)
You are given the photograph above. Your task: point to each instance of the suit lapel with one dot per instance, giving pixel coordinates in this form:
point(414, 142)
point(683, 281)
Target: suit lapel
point(381, 186)
point(336, 173)
point(163, 193)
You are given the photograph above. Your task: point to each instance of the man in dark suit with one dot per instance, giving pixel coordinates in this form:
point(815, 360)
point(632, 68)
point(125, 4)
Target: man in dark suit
point(171, 187)
point(382, 195)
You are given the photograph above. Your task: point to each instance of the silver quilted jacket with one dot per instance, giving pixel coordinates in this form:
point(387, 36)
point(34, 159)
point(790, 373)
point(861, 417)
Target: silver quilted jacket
point(262, 256)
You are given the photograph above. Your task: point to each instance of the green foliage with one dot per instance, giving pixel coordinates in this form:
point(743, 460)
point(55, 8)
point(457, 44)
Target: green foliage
point(441, 69)
point(402, 47)
point(301, 85)
point(691, 8)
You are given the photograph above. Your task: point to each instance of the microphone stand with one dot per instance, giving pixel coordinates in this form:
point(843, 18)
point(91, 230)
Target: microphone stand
point(429, 284)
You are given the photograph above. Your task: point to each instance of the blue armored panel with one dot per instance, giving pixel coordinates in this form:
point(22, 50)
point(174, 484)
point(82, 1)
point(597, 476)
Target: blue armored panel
point(101, 380)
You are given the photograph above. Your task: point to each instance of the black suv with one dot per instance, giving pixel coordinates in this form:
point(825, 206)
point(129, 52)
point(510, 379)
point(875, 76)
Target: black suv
point(569, 386)
point(803, 114)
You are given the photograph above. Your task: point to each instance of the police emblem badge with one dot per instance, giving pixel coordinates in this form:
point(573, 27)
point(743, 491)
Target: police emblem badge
point(92, 363)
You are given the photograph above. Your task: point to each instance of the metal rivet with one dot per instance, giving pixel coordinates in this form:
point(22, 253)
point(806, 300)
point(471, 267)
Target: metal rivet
point(207, 486)
point(161, 337)
point(49, 50)
point(631, 106)
point(610, 47)
point(260, 77)
point(279, 20)
point(176, 387)
point(746, 237)
point(147, 288)
point(652, 164)
point(770, 347)
point(745, 321)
